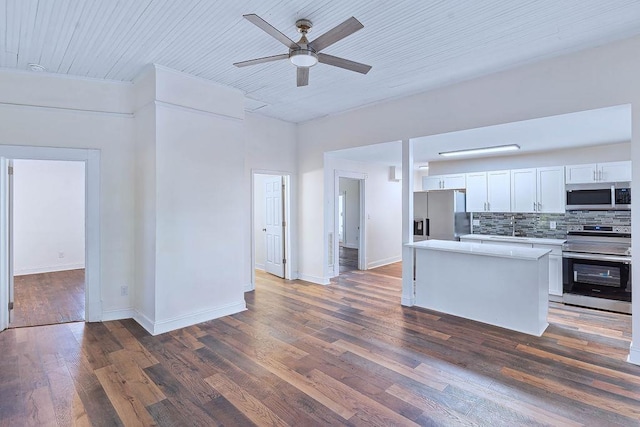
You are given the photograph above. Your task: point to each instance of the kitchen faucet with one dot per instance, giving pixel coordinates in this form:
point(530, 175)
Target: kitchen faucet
point(513, 226)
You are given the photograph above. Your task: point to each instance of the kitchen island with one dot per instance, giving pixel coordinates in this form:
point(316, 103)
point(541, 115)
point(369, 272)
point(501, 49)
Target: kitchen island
point(506, 286)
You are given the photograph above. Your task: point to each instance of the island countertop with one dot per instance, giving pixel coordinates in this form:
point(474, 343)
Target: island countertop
point(514, 252)
point(514, 239)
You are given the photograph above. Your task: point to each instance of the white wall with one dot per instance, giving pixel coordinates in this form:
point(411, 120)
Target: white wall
point(351, 189)
point(594, 154)
point(48, 214)
point(383, 209)
point(270, 148)
point(582, 81)
point(43, 110)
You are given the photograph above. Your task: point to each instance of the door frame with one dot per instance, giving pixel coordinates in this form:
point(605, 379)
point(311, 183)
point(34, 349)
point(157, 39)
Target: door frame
point(287, 179)
point(362, 255)
point(91, 159)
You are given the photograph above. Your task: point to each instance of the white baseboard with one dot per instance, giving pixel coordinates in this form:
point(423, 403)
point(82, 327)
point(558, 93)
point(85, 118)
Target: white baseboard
point(248, 287)
point(171, 324)
point(259, 267)
point(634, 355)
point(120, 314)
point(314, 279)
point(387, 261)
point(407, 301)
point(48, 269)
point(143, 321)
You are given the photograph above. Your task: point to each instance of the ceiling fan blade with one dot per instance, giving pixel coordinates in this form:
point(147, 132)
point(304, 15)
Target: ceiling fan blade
point(303, 76)
point(336, 34)
point(262, 60)
point(272, 31)
point(343, 63)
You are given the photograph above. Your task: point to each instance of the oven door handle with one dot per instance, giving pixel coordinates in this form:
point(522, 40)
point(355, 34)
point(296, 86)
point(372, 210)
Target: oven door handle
point(597, 257)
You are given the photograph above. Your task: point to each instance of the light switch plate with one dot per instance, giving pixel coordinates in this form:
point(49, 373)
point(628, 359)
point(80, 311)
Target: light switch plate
point(552, 225)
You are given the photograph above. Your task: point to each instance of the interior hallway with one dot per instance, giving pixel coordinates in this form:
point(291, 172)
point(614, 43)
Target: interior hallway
point(348, 259)
point(48, 298)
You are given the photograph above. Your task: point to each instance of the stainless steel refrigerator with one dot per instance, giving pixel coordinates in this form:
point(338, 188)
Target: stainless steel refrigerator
point(443, 213)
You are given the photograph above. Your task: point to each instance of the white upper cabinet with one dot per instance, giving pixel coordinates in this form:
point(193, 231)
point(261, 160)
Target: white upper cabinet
point(599, 172)
point(443, 182)
point(523, 190)
point(538, 190)
point(551, 191)
point(489, 191)
point(615, 171)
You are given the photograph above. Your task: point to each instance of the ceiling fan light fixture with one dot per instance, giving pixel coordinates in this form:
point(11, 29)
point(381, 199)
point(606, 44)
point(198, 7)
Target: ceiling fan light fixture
point(303, 58)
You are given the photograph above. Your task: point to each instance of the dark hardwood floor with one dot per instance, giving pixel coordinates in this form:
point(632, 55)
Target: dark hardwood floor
point(343, 354)
point(48, 298)
point(348, 259)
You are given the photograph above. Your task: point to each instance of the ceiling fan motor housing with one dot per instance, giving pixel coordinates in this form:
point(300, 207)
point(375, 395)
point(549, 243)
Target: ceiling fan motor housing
point(303, 56)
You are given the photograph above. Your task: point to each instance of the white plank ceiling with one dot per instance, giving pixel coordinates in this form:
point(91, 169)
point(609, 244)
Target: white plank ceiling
point(413, 46)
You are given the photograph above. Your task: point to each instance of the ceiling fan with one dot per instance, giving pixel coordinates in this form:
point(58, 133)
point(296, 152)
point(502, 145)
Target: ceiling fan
point(304, 54)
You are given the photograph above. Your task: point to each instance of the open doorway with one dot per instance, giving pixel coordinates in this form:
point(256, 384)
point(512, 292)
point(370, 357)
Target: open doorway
point(271, 221)
point(348, 223)
point(47, 238)
point(349, 247)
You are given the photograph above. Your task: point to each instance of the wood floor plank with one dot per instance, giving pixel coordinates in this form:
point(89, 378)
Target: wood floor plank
point(308, 355)
point(244, 401)
point(128, 406)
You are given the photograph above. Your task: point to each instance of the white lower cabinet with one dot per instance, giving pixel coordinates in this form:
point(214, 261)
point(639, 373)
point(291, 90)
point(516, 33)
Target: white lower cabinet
point(555, 260)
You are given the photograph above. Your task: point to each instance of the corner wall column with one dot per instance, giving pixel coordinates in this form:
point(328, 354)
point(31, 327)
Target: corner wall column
point(408, 292)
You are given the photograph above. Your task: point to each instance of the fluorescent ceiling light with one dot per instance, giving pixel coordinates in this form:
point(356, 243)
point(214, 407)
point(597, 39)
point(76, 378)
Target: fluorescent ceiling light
point(484, 150)
point(423, 167)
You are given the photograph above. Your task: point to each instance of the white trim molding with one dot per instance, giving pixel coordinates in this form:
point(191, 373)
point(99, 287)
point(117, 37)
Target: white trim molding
point(171, 324)
point(314, 279)
point(118, 314)
point(48, 269)
point(634, 354)
point(386, 261)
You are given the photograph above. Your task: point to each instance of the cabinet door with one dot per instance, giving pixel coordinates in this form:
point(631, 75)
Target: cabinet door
point(523, 190)
point(614, 171)
point(499, 191)
point(551, 192)
point(581, 174)
point(555, 275)
point(477, 192)
point(431, 183)
point(454, 182)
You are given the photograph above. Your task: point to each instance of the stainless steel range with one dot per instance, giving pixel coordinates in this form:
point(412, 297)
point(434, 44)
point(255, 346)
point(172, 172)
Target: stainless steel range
point(597, 267)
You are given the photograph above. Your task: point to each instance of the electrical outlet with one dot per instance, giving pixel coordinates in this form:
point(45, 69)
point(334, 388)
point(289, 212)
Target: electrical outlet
point(552, 225)
point(124, 291)
point(60, 255)
point(476, 222)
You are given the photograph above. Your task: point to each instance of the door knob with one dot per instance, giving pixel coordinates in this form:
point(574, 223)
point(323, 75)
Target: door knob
point(264, 229)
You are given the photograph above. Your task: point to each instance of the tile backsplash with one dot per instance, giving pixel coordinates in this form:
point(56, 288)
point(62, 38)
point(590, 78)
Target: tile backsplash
point(537, 225)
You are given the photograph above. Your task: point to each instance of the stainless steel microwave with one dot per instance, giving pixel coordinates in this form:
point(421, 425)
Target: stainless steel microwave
point(598, 196)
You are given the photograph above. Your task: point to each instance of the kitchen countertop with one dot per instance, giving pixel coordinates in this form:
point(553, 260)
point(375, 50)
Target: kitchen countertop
point(469, 248)
point(532, 240)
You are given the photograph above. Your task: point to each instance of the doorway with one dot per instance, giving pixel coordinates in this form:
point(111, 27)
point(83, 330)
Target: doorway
point(349, 223)
point(271, 224)
point(90, 161)
point(47, 223)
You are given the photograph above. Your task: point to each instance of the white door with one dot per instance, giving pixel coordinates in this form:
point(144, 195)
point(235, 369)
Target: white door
point(523, 190)
point(581, 174)
point(6, 265)
point(499, 191)
point(551, 191)
point(274, 225)
point(10, 238)
point(614, 171)
point(477, 192)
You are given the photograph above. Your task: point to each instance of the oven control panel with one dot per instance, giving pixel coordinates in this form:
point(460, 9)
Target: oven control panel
point(621, 229)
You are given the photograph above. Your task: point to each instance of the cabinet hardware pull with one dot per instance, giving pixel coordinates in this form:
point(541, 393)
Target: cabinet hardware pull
point(539, 207)
point(534, 206)
point(594, 175)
